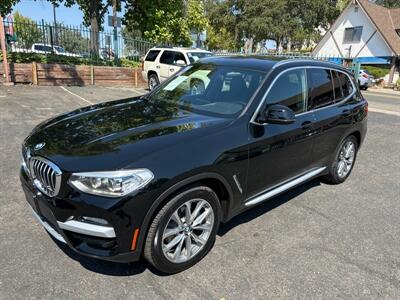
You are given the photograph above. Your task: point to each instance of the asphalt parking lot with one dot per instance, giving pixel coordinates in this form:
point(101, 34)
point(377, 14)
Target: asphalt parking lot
point(317, 241)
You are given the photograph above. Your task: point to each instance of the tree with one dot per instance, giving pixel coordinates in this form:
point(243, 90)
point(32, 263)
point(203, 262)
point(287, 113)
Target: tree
point(93, 16)
point(26, 31)
point(6, 6)
point(389, 3)
point(159, 21)
point(196, 19)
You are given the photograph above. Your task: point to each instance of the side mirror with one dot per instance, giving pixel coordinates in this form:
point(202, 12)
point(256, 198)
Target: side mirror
point(277, 114)
point(180, 62)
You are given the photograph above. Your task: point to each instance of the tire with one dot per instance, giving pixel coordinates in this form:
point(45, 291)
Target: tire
point(153, 81)
point(159, 238)
point(335, 176)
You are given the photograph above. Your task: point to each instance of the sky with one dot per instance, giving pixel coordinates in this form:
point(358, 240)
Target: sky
point(41, 9)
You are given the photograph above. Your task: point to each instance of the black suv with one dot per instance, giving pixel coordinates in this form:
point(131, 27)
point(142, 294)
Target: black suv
point(156, 175)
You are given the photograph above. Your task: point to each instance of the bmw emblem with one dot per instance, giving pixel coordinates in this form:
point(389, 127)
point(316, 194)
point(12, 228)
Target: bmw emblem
point(39, 146)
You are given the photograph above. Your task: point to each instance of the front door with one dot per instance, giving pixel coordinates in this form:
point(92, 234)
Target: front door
point(166, 62)
point(279, 152)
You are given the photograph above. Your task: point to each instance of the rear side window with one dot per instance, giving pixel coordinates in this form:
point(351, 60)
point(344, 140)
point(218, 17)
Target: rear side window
point(337, 86)
point(167, 57)
point(345, 82)
point(321, 87)
point(290, 90)
point(152, 55)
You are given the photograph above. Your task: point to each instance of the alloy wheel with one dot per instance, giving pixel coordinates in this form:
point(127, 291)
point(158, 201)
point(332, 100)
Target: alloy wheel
point(346, 159)
point(187, 230)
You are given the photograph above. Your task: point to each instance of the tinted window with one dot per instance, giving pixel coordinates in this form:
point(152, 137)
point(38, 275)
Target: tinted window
point(167, 57)
point(179, 56)
point(321, 88)
point(152, 55)
point(336, 86)
point(290, 90)
point(38, 47)
point(345, 82)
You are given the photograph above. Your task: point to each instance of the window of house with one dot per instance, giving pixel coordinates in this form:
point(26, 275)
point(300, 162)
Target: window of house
point(322, 93)
point(352, 34)
point(290, 90)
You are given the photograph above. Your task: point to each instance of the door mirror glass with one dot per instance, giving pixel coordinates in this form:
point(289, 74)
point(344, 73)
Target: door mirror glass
point(180, 62)
point(277, 114)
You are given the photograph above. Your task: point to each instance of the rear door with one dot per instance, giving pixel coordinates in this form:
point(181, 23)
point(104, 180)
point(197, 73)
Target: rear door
point(329, 91)
point(166, 61)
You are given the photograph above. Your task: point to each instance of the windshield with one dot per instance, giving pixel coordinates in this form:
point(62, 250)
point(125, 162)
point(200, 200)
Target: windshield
point(211, 90)
point(195, 56)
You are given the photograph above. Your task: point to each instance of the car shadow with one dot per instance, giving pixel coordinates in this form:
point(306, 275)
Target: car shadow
point(130, 269)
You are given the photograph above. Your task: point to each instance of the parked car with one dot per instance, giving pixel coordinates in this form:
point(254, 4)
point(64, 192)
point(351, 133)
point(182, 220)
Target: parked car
point(154, 176)
point(46, 49)
point(161, 63)
point(365, 79)
point(106, 53)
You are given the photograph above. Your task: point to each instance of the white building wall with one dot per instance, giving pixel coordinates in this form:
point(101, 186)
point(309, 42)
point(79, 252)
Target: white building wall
point(353, 18)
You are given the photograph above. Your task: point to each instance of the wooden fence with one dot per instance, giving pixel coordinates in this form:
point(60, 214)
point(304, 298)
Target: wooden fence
point(57, 74)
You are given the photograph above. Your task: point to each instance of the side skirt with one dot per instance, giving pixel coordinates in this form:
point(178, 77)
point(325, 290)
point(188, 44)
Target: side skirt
point(283, 186)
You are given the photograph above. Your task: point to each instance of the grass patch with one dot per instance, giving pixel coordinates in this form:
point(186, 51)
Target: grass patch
point(377, 71)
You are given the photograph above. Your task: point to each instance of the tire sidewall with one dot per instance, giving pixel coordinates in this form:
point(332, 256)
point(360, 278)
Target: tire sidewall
point(156, 247)
point(155, 77)
point(334, 165)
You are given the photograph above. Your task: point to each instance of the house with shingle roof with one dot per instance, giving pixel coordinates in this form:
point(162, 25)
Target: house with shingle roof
point(366, 32)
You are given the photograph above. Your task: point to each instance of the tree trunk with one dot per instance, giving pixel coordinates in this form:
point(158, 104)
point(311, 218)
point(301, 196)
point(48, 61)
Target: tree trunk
point(94, 36)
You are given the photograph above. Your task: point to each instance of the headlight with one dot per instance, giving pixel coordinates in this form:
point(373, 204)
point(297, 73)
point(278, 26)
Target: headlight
point(111, 184)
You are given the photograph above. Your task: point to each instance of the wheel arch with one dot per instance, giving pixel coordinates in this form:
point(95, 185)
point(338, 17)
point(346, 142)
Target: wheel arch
point(212, 180)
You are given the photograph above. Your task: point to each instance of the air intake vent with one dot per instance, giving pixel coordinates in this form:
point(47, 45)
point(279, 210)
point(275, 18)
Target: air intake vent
point(46, 176)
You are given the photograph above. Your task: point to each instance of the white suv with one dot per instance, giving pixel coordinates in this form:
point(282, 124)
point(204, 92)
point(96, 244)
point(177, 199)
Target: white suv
point(161, 63)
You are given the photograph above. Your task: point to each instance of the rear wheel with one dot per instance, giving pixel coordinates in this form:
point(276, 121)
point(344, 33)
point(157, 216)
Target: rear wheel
point(183, 231)
point(153, 81)
point(343, 162)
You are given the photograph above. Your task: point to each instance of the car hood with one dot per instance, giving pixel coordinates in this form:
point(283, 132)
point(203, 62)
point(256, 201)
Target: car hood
point(114, 134)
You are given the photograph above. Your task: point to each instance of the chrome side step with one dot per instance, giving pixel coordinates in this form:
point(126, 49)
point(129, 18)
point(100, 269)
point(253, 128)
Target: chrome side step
point(283, 187)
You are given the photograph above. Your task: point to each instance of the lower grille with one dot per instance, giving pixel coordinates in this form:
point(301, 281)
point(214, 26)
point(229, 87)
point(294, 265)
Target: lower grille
point(46, 175)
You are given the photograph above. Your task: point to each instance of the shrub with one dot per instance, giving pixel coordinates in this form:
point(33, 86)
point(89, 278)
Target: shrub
point(397, 85)
point(20, 57)
point(377, 71)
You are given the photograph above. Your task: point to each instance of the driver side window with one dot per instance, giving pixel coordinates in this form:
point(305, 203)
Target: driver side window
point(290, 89)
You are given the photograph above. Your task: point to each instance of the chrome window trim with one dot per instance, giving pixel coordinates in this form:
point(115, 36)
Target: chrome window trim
point(256, 112)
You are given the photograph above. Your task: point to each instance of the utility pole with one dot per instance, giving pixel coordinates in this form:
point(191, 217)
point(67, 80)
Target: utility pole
point(55, 24)
point(115, 24)
point(4, 52)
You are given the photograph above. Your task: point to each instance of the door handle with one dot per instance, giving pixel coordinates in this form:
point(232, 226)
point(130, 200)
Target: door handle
point(172, 70)
point(307, 125)
point(346, 112)
point(157, 67)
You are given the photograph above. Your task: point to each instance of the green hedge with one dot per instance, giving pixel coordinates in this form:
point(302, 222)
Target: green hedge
point(19, 57)
point(377, 71)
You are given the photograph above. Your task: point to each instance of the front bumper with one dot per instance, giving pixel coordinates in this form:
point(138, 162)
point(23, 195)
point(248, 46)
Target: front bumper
point(61, 217)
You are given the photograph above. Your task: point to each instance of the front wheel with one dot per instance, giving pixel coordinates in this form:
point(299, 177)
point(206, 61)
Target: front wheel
point(343, 162)
point(183, 231)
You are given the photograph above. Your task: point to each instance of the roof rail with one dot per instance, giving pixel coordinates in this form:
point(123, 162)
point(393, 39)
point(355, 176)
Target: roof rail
point(290, 60)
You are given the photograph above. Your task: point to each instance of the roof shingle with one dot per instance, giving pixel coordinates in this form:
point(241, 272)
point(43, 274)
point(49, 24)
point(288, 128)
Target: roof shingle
point(386, 21)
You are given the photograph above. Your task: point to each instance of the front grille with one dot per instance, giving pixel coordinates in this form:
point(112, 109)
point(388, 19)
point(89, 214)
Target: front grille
point(46, 175)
